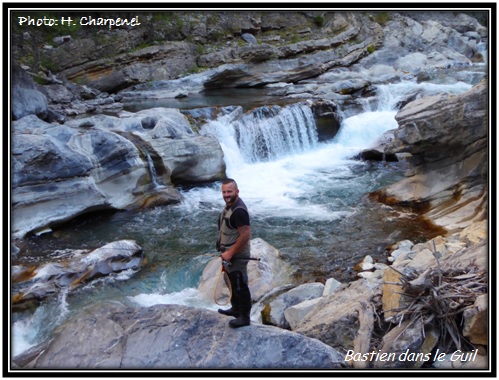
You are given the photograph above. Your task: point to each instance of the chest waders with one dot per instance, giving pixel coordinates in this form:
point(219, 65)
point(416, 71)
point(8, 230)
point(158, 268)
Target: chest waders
point(237, 271)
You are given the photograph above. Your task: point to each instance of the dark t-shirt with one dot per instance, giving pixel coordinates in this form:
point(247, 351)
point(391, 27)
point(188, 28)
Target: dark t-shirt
point(240, 216)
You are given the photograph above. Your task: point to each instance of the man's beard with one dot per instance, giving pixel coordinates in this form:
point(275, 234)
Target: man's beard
point(230, 200)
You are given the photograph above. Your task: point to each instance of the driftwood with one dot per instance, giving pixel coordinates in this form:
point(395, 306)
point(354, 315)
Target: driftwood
point(363, 338)
point(440, 295)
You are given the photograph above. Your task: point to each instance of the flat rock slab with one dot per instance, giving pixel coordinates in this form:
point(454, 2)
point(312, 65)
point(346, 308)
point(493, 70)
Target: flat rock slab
point(112, 336)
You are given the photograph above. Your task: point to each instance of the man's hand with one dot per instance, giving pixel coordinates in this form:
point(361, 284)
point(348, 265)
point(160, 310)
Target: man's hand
point(244, 237)
point(226, 256)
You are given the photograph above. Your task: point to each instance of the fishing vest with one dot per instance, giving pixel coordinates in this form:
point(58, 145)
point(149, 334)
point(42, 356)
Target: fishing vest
point(228, 234)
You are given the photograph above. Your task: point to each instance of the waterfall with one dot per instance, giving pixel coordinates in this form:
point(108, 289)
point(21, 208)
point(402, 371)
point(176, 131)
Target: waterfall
point(152, 171)
point(271, 133)
point(265, 134)
point(152, 161)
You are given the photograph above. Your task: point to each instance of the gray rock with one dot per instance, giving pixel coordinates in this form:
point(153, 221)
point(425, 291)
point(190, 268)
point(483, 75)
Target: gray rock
point(290, 298)
point(105, 162)
point(335, 319)
point(111, 336)
point(72, 269)
point(249, 38)
point(26, 98)
point(447, 138)
point(295, 314)
point(403, 340)
point(332, 285)
point(264, 275)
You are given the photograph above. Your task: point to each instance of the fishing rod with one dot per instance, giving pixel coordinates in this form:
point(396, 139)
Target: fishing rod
point(235, 258)
point(140, 250)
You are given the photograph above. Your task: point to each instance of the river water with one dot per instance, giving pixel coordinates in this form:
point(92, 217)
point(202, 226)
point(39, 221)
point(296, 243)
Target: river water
point(306, 197)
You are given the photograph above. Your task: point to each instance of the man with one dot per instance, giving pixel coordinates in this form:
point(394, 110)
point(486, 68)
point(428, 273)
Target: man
point(234, 244)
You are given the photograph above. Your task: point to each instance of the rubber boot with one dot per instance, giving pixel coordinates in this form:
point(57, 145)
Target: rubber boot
point(234, 299)
point(240, 322)
point(243, 296)
point(230, 312)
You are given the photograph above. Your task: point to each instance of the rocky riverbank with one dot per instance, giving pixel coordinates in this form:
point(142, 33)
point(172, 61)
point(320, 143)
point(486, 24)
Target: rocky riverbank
point(69, 158)
point(365, 316)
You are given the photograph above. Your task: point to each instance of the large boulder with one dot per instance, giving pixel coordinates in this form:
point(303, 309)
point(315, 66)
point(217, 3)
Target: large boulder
point(112, 336)
point(335, 319)
point(264, 275)
point(447, 137)
point(277, 308)
point(60, 172)
point(50, 181)
point(72, 269)
point(26, 98)
point(194, 160)
point(105, 162)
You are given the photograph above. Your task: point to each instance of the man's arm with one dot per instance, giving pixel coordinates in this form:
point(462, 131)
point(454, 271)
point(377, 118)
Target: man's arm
point(244, 237)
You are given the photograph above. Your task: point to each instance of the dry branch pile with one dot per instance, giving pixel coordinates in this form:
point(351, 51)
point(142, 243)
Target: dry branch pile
point(440, 296)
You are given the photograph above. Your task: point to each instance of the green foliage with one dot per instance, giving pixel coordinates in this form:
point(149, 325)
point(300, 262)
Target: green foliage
point(382, 18)
point(296, 38)
point(142, 45)
point(162, 17)
point(39, 80)
point(371, 49)
point(319, 21)
point(195, 70)
point(48, 64)
point(201, 49)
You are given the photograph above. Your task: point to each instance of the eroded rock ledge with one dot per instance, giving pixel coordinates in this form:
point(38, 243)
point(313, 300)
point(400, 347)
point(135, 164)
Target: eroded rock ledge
point(447, 139)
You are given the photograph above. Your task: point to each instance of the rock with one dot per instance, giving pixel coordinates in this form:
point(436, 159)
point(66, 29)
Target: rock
point(73, 269)
point(111, 336)
point(331, 286)
point(59, 40)
point(105, 162)
point(26, 98)
point(431, 340)
point(459, 360)
point(451, 177)
point(264, 275)
point(476, 321)
point(373, 279)
point(366, 275)
point(475, 233)
point(194, 160)
point(165, 123)
point(249, 38)
point(402, 250)
point(376, 155)
point(335, 319)
point(281, 303)
point(43, 167)
point(60, 172)
point(79, 62)
point(475, 255)
point(296, 313)
point(412, 63)
point(422, 260)
point(404, 341)
point(58, 93)
point(365, 264)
